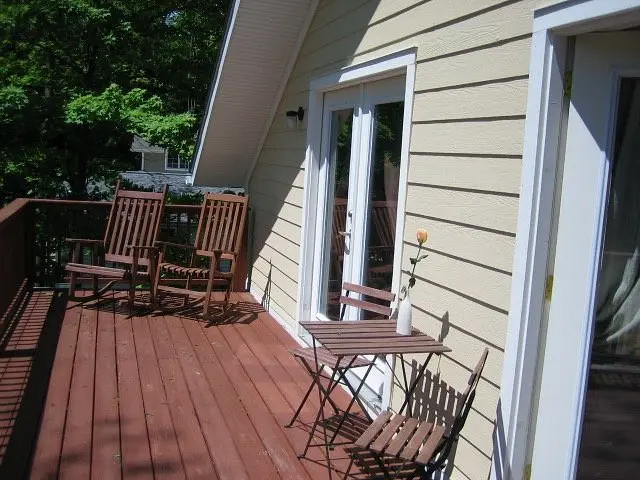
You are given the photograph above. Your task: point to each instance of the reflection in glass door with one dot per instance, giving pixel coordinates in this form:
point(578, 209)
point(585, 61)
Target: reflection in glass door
point(383, 195)
point(610, 448)
point(336, 229)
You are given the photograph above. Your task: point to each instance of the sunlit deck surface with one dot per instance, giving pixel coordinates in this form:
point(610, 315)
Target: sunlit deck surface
point(88, 392)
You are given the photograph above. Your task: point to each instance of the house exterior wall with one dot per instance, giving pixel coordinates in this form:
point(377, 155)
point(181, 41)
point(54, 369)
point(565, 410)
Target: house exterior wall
point(154, 162)
point(464, 174)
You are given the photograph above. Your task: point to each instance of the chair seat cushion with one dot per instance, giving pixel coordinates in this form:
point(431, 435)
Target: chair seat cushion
point(403, 437)
point(328, 359)
point(107, 272)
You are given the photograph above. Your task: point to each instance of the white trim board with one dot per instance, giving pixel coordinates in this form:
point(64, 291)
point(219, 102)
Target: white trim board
point(402, 62)
point(551, 26)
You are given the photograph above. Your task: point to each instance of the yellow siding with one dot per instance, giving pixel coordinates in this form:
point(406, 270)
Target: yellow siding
point(464, 174)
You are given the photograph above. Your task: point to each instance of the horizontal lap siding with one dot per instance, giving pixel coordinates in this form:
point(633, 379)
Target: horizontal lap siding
point(464, 173)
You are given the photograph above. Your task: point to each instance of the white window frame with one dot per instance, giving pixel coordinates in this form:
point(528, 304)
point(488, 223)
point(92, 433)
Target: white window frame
point(173, 169)
point(551, 27)
point(399, 63)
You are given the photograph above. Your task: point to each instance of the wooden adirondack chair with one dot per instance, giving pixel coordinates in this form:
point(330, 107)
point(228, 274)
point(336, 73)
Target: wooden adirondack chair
point(132, 229)
point(400, 443)
point(219, 237)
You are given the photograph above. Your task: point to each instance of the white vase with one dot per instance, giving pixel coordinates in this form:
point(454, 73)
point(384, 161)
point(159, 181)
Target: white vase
point(403, 325)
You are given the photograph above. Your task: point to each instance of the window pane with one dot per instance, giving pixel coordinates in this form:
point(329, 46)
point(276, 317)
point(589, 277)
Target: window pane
point(340, 158)
point(609, 444)
point(383, 205)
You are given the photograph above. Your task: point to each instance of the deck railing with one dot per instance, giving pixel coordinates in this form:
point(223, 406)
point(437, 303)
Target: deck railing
point(33, 233)
point(15, 238)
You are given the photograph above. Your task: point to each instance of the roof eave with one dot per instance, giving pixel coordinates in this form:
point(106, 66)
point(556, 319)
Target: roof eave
point(213, 88)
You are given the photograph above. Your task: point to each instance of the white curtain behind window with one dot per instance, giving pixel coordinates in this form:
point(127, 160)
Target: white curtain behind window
point(618, 305)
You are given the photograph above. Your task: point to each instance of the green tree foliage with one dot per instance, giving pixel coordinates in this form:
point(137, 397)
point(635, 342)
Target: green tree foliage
point(79, 77)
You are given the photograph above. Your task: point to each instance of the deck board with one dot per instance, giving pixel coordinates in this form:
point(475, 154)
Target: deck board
point(195, 456)
point(106, 454)
point(46, 459)
point(75, 459)
point(134, 437)
point(251, 449)
point(161, 396)
point(163, 438)
point(247, 389)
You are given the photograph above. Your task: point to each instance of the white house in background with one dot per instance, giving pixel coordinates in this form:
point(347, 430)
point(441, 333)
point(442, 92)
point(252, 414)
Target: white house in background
point(152, 158)
point(157, 166)
point(504, 128)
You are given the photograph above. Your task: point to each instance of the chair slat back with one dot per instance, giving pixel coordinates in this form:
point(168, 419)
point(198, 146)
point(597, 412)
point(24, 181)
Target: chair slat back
point(466, 400)
point(221, 225)
point(373, 307)
point(464, 406)
point(134, 220)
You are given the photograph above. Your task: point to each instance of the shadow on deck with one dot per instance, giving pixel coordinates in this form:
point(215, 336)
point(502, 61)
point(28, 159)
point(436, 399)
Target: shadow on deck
point(89, 392)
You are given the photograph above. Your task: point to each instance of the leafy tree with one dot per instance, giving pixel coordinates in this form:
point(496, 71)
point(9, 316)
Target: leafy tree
point(79, 77)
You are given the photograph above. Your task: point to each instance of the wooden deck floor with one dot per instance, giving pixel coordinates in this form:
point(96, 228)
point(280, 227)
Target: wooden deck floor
point(88, 392)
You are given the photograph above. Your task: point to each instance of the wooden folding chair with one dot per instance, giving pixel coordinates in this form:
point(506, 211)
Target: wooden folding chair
point(402, 443)
point(132, 229)
point(305, 355)
point(219, 237)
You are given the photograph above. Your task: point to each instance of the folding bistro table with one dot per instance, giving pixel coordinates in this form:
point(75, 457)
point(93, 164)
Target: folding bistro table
point(365, 337)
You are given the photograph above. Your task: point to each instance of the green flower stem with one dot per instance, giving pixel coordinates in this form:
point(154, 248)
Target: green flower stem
point(414, 264)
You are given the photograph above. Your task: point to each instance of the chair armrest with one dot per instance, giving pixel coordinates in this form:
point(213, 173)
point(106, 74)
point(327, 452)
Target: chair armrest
point(84, 240)
point(176, 245)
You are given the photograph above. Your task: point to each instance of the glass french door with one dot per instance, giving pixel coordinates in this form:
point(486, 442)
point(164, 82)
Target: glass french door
point(589, 410)
point(358, 192)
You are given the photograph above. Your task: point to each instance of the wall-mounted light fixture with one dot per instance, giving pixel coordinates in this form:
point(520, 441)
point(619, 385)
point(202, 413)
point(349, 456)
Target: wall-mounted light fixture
point(294, 116)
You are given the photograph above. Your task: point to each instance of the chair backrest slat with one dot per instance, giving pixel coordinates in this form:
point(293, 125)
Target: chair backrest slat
point(110, 235)
point(136, 231)
point(134, 220)
point(221, 225)
point(146, 221)
point(155, 217)
point(220, 216)
point(369, 291)
point(464, 406)
point(467, 397)
point(364, 305)
point(383, 309)
point(227, 239)
point(122, 222)
point(205, 223)
point(112, 216)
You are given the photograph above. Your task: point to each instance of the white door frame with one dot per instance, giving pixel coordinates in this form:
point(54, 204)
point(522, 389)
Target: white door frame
point(400, 63)
point(341, 99)
point(551, 27)
point(599, 65)
point(362, 99)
